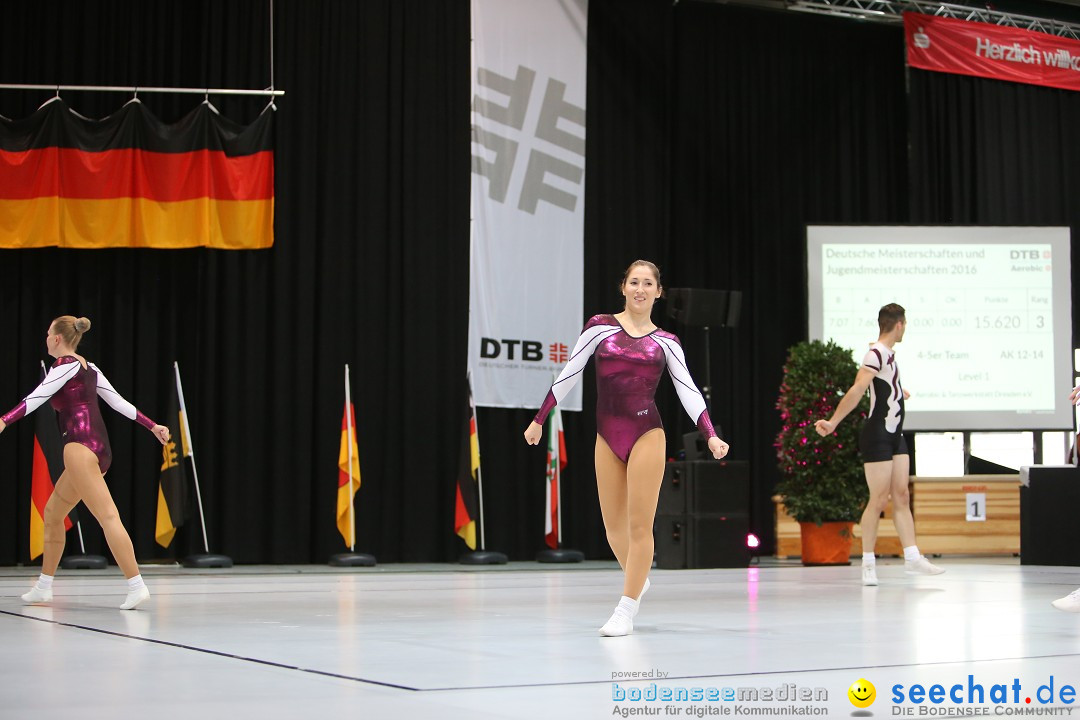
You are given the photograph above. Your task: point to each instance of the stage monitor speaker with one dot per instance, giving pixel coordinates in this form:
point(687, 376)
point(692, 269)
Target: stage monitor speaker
point(702, 515)
point(701, 541)
point(707, 308)
point(705, 486)
point(1048, 508)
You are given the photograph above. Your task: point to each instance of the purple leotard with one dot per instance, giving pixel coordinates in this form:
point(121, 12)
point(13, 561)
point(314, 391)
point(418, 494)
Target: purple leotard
point(72, 391)
point(628, 369)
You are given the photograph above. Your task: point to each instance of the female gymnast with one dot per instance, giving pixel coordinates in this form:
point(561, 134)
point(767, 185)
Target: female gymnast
point(631, 354)
point(72, 385)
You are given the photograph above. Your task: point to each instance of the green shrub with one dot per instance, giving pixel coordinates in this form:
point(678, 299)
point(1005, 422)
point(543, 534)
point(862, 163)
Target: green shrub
point(821, 477)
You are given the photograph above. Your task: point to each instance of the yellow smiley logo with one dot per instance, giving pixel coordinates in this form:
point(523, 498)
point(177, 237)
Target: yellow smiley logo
point(862, 693)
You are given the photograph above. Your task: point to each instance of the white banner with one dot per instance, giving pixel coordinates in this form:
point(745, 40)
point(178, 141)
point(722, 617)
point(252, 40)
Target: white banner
point(528, 197)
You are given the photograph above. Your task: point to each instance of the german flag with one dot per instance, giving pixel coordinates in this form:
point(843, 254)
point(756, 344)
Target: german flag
point(48, 464)
point(465, 504)
point(130, 180)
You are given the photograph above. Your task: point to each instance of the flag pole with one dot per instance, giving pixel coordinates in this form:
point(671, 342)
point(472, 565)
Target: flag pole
point(349, 428)
point(351, 558)
point(479, 469)
point(558, 493)
point(205, 559)
point(82, 544)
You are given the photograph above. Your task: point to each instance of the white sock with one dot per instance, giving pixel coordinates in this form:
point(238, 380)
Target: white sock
point(44, 582)
point(911, 553)
point(869, 559)
point(627, 605)
point(134, 583)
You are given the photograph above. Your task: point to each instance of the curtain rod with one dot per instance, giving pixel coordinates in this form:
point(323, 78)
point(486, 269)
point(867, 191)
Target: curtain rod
point(139, 88)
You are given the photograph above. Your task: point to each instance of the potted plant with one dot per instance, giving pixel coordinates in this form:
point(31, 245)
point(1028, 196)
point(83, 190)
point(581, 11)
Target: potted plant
point(822, 481)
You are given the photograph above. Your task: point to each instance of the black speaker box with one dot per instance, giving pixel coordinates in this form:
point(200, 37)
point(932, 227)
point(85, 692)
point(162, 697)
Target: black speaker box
point(705, 486)
point(701, 541)
point(702, 515)
point(1048, 506)
point(706, 308)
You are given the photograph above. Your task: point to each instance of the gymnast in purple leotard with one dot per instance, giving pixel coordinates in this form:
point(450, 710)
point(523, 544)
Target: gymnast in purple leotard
point(631, 355)
point(73, 386)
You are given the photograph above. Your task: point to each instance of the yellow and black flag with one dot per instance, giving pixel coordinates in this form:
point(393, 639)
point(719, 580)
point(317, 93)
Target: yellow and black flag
point(466, 507)
point(172, 505)
point(130, 180)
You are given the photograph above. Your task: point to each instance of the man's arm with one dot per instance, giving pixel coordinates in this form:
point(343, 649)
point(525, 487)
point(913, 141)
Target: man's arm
point(847, 403)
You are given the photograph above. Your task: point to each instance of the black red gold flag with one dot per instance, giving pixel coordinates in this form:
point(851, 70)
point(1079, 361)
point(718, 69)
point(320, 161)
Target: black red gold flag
point(130, 180)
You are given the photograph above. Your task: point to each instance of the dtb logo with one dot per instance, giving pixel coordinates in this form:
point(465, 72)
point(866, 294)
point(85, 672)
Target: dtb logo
point(530, 350)
point(1024, 255)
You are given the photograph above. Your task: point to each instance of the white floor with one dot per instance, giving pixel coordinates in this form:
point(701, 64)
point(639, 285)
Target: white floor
point(520, 641)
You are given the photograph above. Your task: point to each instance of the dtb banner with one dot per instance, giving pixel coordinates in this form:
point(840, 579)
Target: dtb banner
point(991, 51)
point(528, 195)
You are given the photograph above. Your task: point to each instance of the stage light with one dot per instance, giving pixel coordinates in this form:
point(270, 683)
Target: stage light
point(752, 541)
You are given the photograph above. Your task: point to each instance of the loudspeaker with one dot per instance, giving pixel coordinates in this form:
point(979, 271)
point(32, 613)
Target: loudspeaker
point(1048, 509)
point(705, 486)
point(707, 308)
point(701, 541)
point(702, 515)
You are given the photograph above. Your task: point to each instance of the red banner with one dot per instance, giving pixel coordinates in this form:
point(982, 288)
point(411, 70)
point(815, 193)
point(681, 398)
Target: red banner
point(991, 51)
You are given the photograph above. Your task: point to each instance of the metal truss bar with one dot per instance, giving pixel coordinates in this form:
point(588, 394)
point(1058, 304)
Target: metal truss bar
point(891, 11)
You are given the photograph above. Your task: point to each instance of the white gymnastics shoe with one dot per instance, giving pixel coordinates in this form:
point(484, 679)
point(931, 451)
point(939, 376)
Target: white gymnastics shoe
point(1069, 603)
point(134, 597)
point(922, 566)
point(37, 595)
point(621, 621)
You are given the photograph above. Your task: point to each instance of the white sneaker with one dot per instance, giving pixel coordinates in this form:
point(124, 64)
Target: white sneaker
point(135, 597)
point(869, 575)
point(644, 589)
point(37, 595)
point(1069, 603)
point(620, 623)
point(922, 566)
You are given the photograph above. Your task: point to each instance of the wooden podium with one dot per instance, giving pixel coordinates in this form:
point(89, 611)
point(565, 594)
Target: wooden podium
point(945, 523)
point(969, 515)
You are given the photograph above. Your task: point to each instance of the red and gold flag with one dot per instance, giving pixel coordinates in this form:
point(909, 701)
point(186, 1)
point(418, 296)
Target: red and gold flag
point(348, 476)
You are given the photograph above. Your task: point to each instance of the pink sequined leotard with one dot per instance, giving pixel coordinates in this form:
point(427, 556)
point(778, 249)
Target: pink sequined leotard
point(628, 369)
point(73, 391)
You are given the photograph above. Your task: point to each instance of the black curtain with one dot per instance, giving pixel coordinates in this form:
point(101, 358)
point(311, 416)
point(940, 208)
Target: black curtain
point(993, 152)
point(372, 227)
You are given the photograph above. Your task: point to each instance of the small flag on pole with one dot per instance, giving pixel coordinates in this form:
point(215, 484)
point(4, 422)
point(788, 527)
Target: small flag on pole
point(348, 470)
point(465, 506)
point(172, 505)
point(556, 461)
point(48, 464)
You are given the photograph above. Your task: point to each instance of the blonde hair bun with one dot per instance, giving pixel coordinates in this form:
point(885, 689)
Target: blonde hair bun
point(82, 325)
